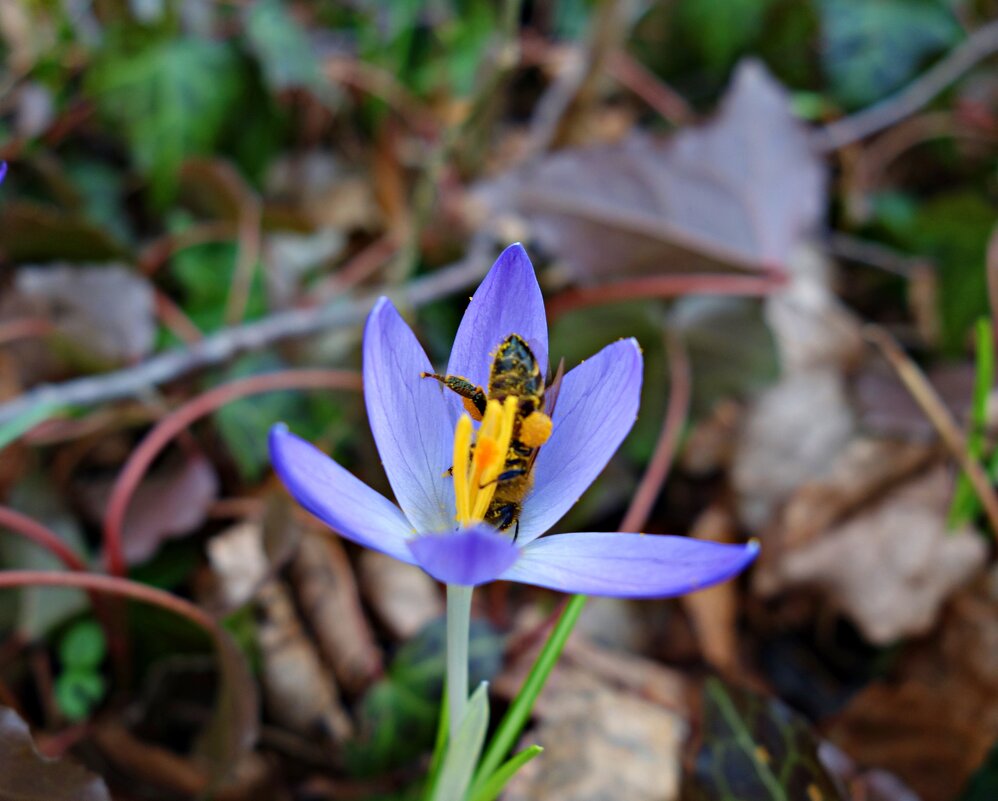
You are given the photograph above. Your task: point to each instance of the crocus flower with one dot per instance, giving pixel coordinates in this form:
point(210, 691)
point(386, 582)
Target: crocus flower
point(425, 439)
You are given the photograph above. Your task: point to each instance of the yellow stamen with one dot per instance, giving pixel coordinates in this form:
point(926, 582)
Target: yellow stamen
point(475, 478)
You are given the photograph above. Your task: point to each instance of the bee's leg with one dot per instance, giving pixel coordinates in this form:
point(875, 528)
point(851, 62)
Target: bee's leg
point(516, 531)
point(475, 399)
point(504, 515)
point(504, 477)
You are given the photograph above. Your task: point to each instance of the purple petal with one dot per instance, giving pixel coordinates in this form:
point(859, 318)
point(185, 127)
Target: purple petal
point(507, 302)
point(469, 557)
point(413, 425)
point(596, 407)
point(3, 170)
point(628, 565)
point(339, 499)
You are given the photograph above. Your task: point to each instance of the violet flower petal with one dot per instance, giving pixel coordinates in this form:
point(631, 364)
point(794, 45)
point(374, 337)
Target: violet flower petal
point(508, 301)
point(596, 407)
point(628, 565)
point(470, 557)
point(339, 499)
point(412, 423)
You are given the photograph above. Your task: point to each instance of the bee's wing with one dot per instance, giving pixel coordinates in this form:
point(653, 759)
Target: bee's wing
point(550, 398)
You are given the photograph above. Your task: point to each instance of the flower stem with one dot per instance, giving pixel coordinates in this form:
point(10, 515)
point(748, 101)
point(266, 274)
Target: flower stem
point(458, 631)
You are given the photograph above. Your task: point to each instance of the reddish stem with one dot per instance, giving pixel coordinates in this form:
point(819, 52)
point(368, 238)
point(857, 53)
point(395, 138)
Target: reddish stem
point(174, 318)
point(112, 586)
point(25, 328)
point(179, 419)
point(42, 536)
point(664, 286)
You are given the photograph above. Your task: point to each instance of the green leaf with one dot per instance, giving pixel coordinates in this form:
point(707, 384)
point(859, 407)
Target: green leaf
point(719, 30)
point(873, 47)
point(463, 749)
point(78, 691)
point(499, 779)
point(756, 748)
point(83, 646)
point(170, 100)
point(966, 505)
point(519, 711)
point(280, 46)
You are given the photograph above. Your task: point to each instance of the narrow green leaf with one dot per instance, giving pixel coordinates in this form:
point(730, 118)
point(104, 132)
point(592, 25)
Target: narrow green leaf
point(463, 749)
point(519, 711)
point(25, 422)
point(966, 505)
point(497, 781)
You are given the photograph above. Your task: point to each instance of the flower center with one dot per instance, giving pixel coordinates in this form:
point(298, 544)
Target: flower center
point(477, 467)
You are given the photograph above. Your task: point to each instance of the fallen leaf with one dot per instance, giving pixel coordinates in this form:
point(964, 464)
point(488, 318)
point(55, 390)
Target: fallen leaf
point(167, 505)
point(404, 598)
point(36, 232)
point(104, 312)
point(608, 744)
point(790, 435)
point(870, 784)
point(741, 191)
point(756, 749)
point(892, 565)
point(299, 692)
point(27, 776)
point(714, 611)
point(327, 593)
point(913, 730)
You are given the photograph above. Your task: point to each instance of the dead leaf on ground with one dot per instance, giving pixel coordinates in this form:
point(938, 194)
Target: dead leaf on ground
point(148, 763)
point(714, 611)
point(891, 566)
point(169, 504)
point(740, 191)
point(870, 784)
point(27, 776)
point(790, 435)
point(609, 744)
point(299, 691)
point(103, 312)
point(330, 602)
point(914, 731)
point(404, 598)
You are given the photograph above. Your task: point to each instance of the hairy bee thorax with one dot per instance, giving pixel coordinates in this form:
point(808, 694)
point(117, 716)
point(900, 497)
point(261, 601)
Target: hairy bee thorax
point(492, 473)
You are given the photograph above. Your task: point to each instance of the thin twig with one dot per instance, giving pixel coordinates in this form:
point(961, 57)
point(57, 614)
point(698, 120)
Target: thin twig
point(928, 399)
point(344, 312)
point(247, 255)
point(979, 45)
point(664, 286)
point(665, 100)
point(875, 254)
point(992, 269)
point(159, 437)
point(25, 328)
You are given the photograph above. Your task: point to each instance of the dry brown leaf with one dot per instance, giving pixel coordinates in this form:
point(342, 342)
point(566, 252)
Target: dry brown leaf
point(152, 764)
point(25, 775)
point(404, 598)
point(790, 435)
point(891, 566)
point(328, 597)
point(862, 471)
point(105, 312)
point(169, 504)
point(607, 744)
point(740, 191)
point(913, 731)
point(299, 691)
point(713, 611)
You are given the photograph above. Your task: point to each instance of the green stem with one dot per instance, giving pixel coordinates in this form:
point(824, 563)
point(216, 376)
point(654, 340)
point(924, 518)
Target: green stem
point(458, 631)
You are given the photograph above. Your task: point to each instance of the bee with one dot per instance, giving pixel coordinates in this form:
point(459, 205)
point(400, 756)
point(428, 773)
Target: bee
point(515, 372)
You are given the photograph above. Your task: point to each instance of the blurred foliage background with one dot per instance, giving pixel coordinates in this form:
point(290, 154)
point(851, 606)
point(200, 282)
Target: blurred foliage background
point(203, 192)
